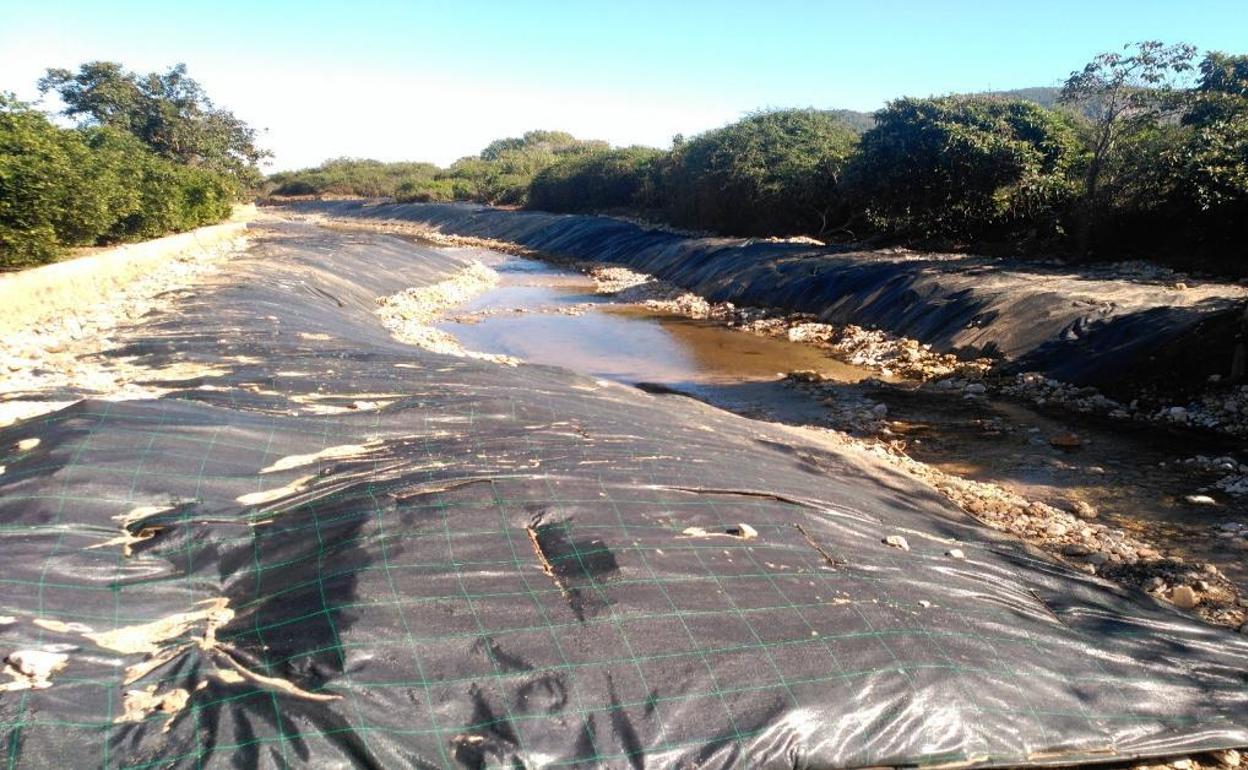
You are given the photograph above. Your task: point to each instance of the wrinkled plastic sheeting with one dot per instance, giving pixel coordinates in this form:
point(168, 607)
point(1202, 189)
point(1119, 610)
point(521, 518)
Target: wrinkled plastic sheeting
point(474, 565)
point(1081, 327)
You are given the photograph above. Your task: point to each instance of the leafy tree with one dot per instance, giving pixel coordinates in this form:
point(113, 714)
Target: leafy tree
point(964, 167)
point(502, 172)
point(1126, 95)
point(773, 172)
point(169, 112)
point(1217, 158)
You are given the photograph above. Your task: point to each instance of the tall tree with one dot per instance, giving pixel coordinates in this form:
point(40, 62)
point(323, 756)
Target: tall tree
point(1124, 94)
point(169, 112)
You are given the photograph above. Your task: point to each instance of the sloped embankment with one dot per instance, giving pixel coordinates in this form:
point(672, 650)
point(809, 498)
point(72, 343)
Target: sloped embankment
point(338, 549)
point(1089, 327)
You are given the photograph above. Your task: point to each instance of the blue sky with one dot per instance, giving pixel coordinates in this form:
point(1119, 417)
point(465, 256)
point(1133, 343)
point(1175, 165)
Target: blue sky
point(438, 80)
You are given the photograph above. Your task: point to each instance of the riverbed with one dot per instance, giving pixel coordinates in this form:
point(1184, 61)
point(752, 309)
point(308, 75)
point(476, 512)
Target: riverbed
point(542, 314)
point(1133, 477)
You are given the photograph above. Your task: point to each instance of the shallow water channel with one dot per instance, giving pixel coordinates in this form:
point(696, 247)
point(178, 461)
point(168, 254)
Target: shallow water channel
point(547, 315)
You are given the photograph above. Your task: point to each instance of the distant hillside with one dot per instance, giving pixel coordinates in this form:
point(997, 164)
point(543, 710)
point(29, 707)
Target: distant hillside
point(1045, 96)
point(858, 121)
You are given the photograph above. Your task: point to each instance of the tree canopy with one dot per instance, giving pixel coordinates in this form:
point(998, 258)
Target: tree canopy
point(1217, 156)
point(623, 179)
point(169, 112)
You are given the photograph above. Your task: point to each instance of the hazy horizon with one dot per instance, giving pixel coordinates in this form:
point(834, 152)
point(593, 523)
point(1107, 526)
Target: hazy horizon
point(438, 81)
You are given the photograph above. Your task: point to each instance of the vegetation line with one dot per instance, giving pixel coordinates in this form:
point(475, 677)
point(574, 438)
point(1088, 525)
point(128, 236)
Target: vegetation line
point(150, 155)
point(1141, 154)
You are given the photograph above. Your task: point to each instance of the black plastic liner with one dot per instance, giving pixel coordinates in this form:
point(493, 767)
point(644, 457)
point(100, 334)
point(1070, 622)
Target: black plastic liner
point(1085, 327)
point(523, 567)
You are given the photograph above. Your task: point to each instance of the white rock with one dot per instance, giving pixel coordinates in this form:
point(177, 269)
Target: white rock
point(37, 665)
point(1183, 597)
point(897, 541)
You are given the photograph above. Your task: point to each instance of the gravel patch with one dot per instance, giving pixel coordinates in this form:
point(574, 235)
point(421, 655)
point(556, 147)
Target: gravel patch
point(410, 314)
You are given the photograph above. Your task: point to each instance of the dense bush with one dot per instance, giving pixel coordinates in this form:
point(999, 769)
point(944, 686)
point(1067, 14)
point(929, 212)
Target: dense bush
point(39, 171)
point(499, 174)
point(172, 198)
point(601, 181)
point(541, 143)
point(771, 173)
point(353, 176)
point(426, 191)
point(964, 167)
point(1212, 163)
point(1166, 175)
point(71, 187)
point(1128, 159)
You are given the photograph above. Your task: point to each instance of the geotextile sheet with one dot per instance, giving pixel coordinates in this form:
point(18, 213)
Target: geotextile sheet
point(331, 549)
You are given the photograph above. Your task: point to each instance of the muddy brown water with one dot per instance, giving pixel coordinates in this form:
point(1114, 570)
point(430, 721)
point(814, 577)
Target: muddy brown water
point(1130, 473)
point(546, 315)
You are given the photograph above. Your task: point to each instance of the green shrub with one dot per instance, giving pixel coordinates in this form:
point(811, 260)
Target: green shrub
point(1179, 191)
point(771, 173)
point(46, 198)
point(612, 179)
point(296, 187)
point(964, 167)
point(174, 198)
point(74, 187)
point(431, 191)
point(352, 176)
point(1213, 164)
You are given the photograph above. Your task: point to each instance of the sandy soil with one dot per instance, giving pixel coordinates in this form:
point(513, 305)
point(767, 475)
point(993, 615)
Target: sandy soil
point(54, 360)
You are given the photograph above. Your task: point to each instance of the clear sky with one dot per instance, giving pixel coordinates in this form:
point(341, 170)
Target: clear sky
point(438, 80)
